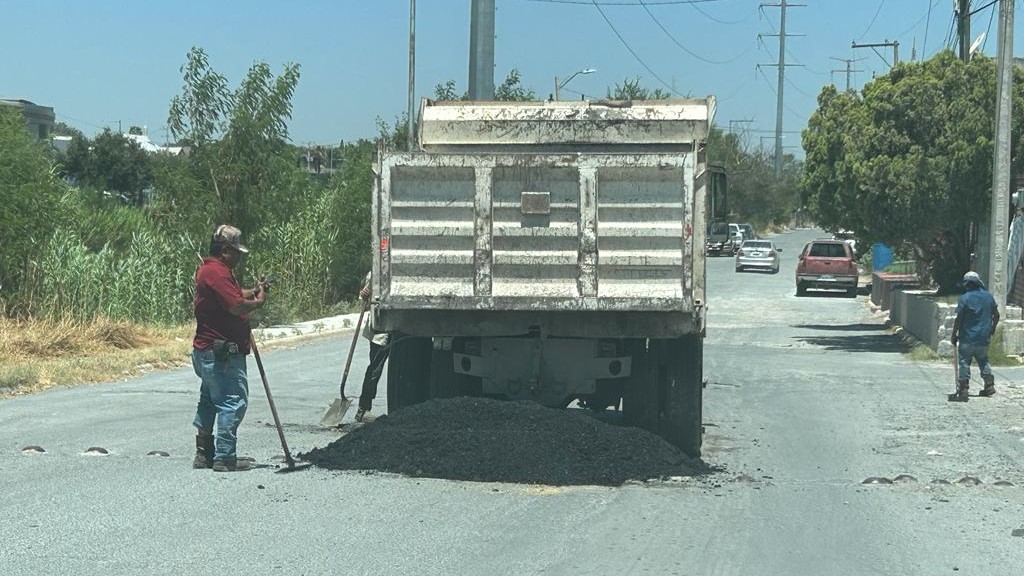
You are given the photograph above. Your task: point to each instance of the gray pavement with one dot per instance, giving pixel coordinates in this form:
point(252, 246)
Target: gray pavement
point(807, 397)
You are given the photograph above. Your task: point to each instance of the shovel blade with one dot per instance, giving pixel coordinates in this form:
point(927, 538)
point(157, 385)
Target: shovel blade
point(335, 413)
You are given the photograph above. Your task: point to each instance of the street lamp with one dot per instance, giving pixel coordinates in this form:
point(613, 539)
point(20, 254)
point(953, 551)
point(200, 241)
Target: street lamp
point(560, 85)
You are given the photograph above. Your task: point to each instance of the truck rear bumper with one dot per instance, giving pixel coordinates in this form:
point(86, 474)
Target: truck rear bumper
point(567, 324)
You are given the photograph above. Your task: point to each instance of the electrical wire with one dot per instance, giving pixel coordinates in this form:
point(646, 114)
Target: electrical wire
point(989, 31)
point(924, 47)
point(716, 20)
point(875, 17)
point(633, 52)
point(950, 35)
point(798, 89)
point(684, 48)
point(768, 81)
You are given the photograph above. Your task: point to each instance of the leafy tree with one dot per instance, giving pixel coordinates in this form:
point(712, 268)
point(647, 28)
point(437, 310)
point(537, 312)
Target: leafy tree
point(510, 89)
point(62, 129)
point(239, 168)
point(30, 198)
point(631, 89)
point(908, 162)
point(110, 163)
point(754, 194)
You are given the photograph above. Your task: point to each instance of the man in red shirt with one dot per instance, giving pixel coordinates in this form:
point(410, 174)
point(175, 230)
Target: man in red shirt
point(219, 348)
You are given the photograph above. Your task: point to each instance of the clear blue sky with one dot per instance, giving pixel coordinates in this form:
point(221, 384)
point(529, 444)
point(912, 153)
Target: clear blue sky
point(100, 62)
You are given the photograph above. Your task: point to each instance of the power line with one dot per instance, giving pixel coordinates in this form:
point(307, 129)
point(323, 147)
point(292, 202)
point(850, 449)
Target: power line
point(716, 20)
point(875, 17)
point(633, 52)
point(784, 105)
point(684, 48)
point(987, 32)
point(924, 47)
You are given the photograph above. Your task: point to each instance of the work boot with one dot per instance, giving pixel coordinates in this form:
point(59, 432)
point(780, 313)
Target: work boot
point(363, 415)
point(990, 385)
point(961, 392)
point(204, 451)
point(237, 465)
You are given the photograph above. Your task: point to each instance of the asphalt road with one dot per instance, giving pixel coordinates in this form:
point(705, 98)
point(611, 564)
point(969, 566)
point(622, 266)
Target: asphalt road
point(807, 398)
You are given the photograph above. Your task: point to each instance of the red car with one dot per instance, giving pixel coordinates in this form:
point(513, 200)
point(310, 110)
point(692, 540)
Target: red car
point(827, 264)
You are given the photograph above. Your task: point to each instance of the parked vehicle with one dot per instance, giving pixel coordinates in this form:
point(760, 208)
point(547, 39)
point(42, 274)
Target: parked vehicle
point(735, 236)
point(826, 264)
point(508, 275)
point(719, 240)
point(758, 255)
point(849, 238)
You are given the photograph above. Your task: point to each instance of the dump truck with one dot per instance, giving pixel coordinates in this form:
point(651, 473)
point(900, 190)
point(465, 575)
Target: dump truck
point(548, 251)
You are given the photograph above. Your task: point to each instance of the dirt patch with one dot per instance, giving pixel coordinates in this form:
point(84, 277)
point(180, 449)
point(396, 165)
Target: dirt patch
point(485, 440)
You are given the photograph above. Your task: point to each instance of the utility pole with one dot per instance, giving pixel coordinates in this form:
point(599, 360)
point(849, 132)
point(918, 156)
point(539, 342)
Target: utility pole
point(849, 70)
point(963, 28)
point(1001, 157)
point(412, 73)
point(481, 50)
point(895, 45)
point(782, 5)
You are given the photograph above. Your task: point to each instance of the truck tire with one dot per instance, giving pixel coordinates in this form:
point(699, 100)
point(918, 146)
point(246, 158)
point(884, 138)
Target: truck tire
point(409, 371)
point(681, 392)
point(801, 289)
point(640, 401)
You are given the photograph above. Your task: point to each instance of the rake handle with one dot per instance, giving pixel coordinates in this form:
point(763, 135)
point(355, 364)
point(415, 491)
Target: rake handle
point(270, 399)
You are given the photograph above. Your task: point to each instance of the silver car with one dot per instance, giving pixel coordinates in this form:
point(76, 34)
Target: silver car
point(759, 254)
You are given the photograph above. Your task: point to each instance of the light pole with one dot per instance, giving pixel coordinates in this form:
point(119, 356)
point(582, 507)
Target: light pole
point(560, 85)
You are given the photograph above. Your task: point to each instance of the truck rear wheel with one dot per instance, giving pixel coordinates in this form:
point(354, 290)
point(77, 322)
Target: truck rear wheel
point(681, 393)
point(409, 371)
point(640, 396)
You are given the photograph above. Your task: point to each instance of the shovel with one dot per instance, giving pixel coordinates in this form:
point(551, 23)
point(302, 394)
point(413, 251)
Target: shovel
point(339, 407)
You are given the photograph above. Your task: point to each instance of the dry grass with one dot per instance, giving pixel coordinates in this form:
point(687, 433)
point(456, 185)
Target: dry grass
point(39, 354)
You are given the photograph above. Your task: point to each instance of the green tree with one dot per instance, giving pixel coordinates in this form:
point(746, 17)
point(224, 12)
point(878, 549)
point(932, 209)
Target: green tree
point(510, 89)
point(239, 167)
point(30, 198)
point(631, 89)
point(110, 163)
point(908, 162)
point(754, 194)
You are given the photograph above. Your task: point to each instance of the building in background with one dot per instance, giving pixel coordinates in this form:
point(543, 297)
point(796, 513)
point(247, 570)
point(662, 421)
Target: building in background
point(38, 119)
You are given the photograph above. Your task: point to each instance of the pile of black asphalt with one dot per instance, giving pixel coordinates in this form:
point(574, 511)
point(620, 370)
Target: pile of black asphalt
point(485, 440)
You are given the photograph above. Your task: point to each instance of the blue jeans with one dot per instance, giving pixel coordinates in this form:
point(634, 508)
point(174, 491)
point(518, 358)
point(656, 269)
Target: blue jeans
point(223, 397)
point(965, 352)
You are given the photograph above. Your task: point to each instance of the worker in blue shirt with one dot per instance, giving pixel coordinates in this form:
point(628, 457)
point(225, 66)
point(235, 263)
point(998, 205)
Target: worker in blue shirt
point(977, 315)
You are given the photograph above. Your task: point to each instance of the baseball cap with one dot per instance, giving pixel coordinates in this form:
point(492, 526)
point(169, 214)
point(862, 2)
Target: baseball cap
point(231, 236)
point(973, 278)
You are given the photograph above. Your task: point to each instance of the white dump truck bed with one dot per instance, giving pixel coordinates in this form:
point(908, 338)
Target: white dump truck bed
point(579, 218)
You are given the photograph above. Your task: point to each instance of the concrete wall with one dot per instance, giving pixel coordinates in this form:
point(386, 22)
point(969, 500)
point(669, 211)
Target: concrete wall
point(931, 322)
point(883, 285)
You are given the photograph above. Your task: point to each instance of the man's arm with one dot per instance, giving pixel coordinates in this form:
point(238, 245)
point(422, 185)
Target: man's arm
point(250, 304)
point(956, 328)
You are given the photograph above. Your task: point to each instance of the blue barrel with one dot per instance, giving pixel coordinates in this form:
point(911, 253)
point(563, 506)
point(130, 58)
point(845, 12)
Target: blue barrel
point(881, 257)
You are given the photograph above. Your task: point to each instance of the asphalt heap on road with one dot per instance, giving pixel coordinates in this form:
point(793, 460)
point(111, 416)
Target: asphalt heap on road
point(484, 440)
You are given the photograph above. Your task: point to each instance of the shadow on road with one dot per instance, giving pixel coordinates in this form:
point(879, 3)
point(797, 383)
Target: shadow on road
point(859, 327)
point(860, 343)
